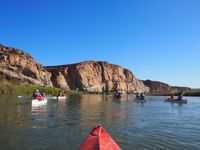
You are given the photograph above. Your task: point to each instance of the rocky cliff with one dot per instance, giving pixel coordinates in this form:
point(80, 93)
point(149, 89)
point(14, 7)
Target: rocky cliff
point(89, 76)
point(15, 63)
point(157, 87)
point(95, 76)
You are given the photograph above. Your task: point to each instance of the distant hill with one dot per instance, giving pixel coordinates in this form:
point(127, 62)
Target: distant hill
point(157, 87)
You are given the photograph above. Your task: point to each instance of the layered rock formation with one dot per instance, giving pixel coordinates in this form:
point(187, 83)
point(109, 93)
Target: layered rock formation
point(157, 87)
point(88, 76)
point(15, 63)
point(95, 76)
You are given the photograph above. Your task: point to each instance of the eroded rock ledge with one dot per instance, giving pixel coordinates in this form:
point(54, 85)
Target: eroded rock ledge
point(95, 76)
point(15, 63)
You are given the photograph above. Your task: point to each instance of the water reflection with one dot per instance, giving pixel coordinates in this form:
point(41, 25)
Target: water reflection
point(14, 116)
point(62, 107)
point(64, 124)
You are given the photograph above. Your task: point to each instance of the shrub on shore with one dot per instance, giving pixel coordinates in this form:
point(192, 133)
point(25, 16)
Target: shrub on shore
point(184, 93)
point(27, 89)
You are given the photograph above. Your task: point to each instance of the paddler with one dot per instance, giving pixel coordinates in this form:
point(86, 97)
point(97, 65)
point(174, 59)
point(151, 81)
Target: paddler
point(37, 93)
point(180, 97)
point(137, 95)
point(142, 95)
point(172, 97)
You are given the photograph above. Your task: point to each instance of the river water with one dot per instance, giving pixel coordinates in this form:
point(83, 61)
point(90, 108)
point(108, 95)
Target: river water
point(64, 124)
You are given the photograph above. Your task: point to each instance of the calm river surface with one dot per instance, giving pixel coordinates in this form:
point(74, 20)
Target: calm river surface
point(63, 125)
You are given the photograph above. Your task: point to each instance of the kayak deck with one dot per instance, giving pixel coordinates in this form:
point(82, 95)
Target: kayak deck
point(99, 139)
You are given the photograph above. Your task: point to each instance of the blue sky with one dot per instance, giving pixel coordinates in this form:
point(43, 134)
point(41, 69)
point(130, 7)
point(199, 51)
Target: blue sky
point(156, 39)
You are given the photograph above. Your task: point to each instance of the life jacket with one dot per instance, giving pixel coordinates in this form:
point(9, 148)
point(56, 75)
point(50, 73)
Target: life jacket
point(39, 98)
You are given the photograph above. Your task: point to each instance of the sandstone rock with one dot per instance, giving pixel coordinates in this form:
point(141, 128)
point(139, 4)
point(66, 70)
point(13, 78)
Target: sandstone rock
point(95, 76)
point(157, 87)
point(15, 63)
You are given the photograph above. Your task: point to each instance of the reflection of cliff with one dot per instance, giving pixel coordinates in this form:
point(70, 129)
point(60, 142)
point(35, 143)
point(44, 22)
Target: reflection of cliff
point(90, 109)
point(94, 110)
point(15, 117)
point(62, 108)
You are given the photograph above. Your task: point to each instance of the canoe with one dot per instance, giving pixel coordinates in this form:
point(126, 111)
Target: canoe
point(99, 139)
point(51, 97)
point(140, 98)
point(36, 102)
point(61, 97)
point(176, 101)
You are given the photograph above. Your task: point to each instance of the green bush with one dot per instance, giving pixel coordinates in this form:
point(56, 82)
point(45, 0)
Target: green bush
point(16, 88)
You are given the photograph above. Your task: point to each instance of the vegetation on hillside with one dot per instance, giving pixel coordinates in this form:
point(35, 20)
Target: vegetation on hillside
point(9, 85)
point(27, 89)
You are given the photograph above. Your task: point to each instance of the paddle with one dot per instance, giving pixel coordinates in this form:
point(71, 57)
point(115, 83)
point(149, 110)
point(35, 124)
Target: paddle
point(22, 98)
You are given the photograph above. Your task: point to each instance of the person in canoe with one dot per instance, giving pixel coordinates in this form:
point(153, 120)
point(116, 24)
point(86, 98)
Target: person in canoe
point(137, 95)
point(43, 94)
point(180, 97)
point(117, 94)
point(142, 96)
point(37, 95)
point(171, 98)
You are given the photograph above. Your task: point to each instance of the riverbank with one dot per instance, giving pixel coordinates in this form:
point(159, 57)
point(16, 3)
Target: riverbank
point(27, 89)
point(185, 93)
point(16, 87)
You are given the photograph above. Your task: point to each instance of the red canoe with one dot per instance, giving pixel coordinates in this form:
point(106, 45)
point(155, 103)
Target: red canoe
point(99, 139)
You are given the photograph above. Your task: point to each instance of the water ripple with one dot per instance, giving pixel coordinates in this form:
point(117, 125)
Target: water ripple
point(134, 125)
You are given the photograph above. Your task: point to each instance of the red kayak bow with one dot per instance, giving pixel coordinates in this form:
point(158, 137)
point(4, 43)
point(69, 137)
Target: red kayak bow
point(99, 139)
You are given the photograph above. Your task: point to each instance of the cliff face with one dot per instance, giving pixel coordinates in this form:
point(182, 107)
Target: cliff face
point(15, 63)
point(161, 88)
point(88, 76)
point(95, 76)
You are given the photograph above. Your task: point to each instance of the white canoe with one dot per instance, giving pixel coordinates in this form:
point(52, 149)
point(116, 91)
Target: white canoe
point(36, 102)
point(61, 97)
point(51, 97)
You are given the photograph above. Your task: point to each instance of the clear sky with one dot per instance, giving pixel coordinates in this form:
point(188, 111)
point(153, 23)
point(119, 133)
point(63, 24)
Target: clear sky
point(156, 39)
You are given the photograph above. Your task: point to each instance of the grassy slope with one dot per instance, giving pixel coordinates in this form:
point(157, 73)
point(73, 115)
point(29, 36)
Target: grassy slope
point(27, 89)
point(10, 85)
